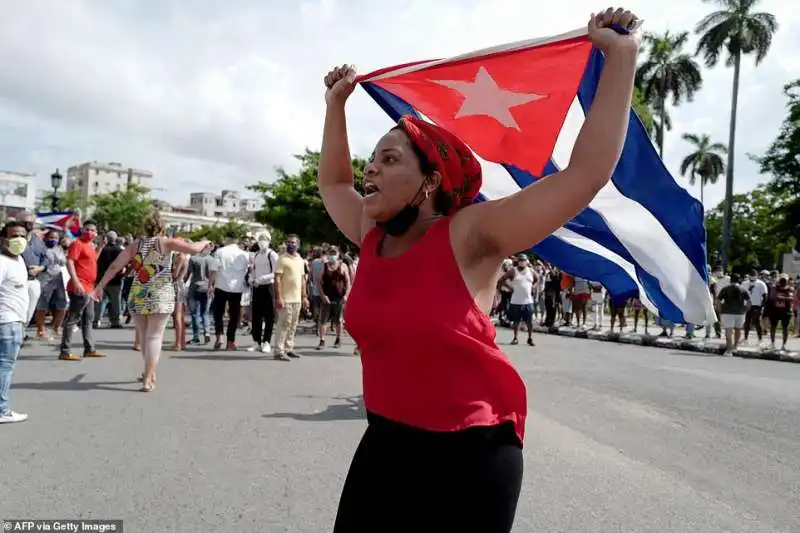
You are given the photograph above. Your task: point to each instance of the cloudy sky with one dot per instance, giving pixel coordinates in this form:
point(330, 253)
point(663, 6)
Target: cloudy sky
point(213, 94)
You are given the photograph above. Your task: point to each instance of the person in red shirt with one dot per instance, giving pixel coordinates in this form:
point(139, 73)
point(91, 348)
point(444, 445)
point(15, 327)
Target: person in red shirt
point(82, 268)
point(445, 408)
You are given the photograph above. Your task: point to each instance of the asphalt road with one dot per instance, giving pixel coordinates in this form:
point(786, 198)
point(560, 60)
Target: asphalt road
point(620, 439)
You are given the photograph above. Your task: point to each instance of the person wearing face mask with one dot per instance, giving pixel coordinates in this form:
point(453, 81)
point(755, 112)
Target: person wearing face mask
point(227, 284)
point(334, 286)
point(54, 294)
point(263, 306)
point(758, 298)
point(520, 310)
point(447, 415)
point(14, 302)
point(198, 272)
point(82, 268)
point(113, 292)
point(34, 257)
point(290, 297)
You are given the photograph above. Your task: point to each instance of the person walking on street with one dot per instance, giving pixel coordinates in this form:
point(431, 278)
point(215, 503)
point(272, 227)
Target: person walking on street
point(54, 290)
point(200, 266)
point(290, 297)
point(227, 283)
point(14, 300)
point(334, 286)
point(112, 247)
point(35, 258)
point(152, 299)
point(82, 268)
point(263, 278)
point(734, 302)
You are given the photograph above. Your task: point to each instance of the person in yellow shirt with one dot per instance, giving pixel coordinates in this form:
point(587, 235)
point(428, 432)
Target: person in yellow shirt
point(290, 297)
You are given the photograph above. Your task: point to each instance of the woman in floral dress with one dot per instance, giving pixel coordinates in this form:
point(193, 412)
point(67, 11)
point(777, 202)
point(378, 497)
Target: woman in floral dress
point(152, 297)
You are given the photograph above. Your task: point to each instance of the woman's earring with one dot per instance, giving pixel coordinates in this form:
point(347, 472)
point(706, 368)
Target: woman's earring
point(426, 194)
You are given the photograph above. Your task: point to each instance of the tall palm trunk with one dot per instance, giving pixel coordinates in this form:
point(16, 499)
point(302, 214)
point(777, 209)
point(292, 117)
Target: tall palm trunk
point(727, 222)
point(702, 187)
point(663, 97)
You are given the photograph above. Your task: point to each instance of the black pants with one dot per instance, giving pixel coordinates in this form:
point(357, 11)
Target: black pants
point(263, 311)
point(81, 311)
point(234, 303)
point(405, 479)
point(753, 318)
point(550, 307)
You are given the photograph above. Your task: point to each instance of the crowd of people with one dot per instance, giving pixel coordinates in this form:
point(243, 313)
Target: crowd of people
point(765, 301)
point(67, 286)
point(219, 290)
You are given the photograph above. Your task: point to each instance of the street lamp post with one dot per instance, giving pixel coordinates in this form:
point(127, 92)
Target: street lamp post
point(55, 182)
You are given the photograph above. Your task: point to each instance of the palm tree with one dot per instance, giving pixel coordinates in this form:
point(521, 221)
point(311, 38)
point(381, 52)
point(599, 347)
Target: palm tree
point(667, 72)
point(705, 162)
point(734, 30)
point(661, 120)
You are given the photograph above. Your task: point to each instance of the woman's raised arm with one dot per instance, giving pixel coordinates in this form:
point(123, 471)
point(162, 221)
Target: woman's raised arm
point(335, 176)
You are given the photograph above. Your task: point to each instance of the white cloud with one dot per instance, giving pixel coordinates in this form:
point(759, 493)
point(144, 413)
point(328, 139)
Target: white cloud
point(208, 94)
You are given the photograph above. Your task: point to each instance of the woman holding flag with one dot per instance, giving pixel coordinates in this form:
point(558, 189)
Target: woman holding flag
point(446, 410)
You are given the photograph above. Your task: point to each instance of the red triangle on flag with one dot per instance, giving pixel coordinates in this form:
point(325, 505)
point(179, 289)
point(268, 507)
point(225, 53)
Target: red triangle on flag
point(508, 107)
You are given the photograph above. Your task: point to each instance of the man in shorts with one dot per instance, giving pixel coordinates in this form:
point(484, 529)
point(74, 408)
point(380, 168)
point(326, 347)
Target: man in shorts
point(334, 287)
point(734, 302)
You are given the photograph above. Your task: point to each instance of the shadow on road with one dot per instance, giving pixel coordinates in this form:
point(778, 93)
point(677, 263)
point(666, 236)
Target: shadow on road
point(75, 384)
point(328, 352)
point(695, 354)
point(352, 408)
point(219, 357)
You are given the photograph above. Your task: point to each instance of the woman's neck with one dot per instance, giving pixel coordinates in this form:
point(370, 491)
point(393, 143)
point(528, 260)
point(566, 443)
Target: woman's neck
point(393, 246)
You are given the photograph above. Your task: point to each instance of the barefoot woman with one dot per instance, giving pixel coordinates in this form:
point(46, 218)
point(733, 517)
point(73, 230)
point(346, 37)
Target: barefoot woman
point(446, 410)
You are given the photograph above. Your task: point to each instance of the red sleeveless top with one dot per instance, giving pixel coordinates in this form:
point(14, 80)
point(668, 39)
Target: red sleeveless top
point(428, 352)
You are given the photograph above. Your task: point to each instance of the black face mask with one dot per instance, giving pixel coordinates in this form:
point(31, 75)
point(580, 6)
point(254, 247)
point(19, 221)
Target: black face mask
point(401, 222)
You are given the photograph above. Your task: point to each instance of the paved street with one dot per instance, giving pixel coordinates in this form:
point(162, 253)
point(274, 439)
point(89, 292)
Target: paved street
point(620, 439)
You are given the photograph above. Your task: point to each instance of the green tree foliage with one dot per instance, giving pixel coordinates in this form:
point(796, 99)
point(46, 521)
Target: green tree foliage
point(782, 160)
point(67, 201)
point(704, 162)
point(122, 211)
point(642, 108)
point(219, 233)
point(758, 241)
point(667, 72)
point(292, 204)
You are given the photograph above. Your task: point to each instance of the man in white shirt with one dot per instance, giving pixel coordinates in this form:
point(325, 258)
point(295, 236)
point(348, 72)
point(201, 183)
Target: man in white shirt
point(14, 300)
point(263, 307)
point(520, 309)
point(758, 297)
point(227, 283)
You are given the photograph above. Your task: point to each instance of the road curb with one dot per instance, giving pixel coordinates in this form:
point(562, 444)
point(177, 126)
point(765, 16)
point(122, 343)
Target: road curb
point(696, 345)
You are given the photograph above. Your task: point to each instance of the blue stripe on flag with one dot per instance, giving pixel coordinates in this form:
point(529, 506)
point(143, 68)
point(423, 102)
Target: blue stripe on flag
point(591, 225)
point(680, 214)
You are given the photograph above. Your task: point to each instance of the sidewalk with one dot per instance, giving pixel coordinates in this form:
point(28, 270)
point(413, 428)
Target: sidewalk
point(678, 341)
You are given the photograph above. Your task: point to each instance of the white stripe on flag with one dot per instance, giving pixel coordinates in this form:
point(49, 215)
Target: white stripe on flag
point(642, 235)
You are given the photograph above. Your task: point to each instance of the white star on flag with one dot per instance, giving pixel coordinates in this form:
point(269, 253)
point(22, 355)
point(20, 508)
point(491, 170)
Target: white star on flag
point(484, 97)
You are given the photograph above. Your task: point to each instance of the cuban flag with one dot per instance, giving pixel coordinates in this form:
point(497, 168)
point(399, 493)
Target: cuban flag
point(519, 107)
point(67, 222)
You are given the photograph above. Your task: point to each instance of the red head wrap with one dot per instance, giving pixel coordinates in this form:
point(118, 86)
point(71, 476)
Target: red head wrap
point(461, 172)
